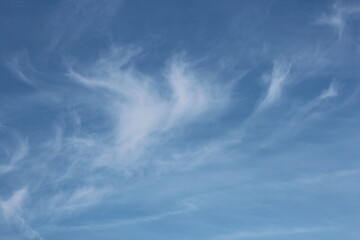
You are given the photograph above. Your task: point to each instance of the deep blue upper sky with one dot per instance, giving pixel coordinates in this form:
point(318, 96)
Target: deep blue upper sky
point(184, 120)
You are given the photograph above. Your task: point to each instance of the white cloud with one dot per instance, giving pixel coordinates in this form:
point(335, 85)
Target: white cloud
point(266, 233)
point(277, 80)
point(131, 116)
point(12, 209)
point(14, 203)
point(186, 207)
point(322, 177)
point(19, 152)
point(332, 91)
point(22, 69)
point(143, 107)
point(335, 20)
point(65, 203)
point(191, 95)
point(73, 19)
point(339, 17)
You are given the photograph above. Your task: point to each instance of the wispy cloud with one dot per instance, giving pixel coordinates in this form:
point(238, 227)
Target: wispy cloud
point(317, 181)
point(71, 20)
point(20, 66)
point(267, 233)
point(141, 136)
point(332, 91)
point(277, 81)
point(12, 209)
point(67, 203)
point(298, 117)
point(141, 107)
point(186, 207)
point(14, 203)
point(338, 17)
point(16, 153)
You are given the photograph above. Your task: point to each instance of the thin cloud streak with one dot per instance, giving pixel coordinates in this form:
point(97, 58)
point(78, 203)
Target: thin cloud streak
point(267, 233)
point(185, 209)
point(18, 153)
point(11, 211)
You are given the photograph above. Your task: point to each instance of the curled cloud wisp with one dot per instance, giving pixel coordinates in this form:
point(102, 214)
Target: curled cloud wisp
point(138, 110)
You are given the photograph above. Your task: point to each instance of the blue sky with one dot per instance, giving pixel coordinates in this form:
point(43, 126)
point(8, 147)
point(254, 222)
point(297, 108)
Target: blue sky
point(182, 120)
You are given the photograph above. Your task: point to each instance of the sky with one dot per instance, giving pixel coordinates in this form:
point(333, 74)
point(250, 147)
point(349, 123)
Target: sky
point(179, 120)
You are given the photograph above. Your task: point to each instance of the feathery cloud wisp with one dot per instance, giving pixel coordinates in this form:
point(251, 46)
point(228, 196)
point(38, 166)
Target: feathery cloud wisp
point(12, 209)
point(138, 109)
point(339, 17)
point(277, 81)
point(332, 91)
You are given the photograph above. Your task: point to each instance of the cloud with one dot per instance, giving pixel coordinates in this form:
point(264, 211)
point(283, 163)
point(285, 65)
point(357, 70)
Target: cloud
point(69, 202)
point(14, 203)
point(297, 118)
point(118, 124)
point(17, 153)
point(321, 178)
point(20, 66)
point(335, 20)
point(339, 17)
point(317, 181)
point(143, 108)
point(332, 91)
point(186, 207)
point(72, 20)
point(191, 96)
point(266, 233)
point(12, 209)
point(277, 80)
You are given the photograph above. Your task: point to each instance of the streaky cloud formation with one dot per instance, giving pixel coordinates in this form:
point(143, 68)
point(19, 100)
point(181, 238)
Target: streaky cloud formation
point(11, 210)
point(17, 154)
point(267, 233)
point(179, 120)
